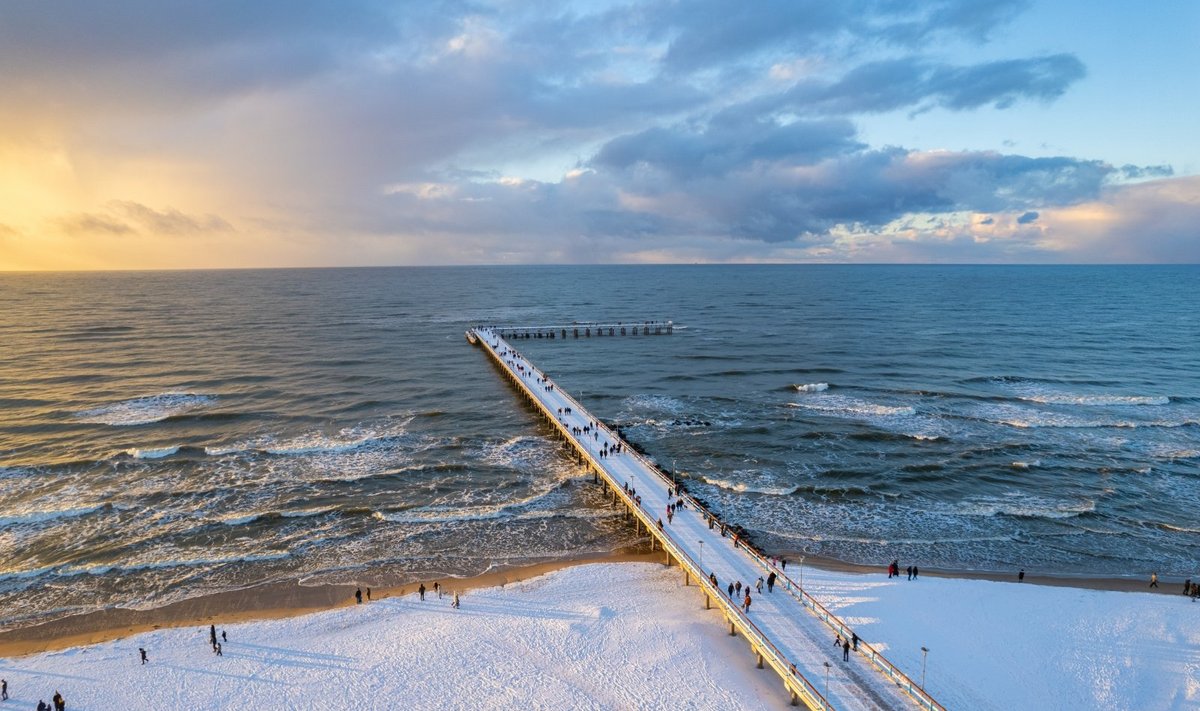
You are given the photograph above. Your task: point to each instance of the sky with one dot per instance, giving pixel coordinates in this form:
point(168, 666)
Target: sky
point(148, 134)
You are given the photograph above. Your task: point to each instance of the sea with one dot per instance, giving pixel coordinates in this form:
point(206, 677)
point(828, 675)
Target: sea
point(169, 434)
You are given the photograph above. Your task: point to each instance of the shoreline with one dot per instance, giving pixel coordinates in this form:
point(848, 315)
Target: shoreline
point(1166, 586)
point(291, 599)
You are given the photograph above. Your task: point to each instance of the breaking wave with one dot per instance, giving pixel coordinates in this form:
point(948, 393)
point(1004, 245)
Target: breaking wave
point(812, 387)
point(146, 410)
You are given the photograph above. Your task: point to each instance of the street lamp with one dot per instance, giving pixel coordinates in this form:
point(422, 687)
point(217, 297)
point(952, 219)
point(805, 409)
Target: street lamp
point(701, 542)
point(801, 572)
point(826, 681)
point(924, 656)
point(673, 473)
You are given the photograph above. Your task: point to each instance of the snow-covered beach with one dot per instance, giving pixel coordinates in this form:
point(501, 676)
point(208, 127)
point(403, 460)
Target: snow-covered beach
point(630, 635)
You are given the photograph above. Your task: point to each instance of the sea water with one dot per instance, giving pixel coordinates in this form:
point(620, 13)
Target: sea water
point(167, 434)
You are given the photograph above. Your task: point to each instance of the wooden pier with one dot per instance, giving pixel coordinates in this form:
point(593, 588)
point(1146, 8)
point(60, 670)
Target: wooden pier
point(586, 330)
point(787, 629)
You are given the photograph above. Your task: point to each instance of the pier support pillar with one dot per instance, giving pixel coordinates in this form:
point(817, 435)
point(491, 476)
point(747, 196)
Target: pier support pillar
point(795, 701)
point(707, 602)
point(687, 579)
point(732, 631)
point(760, 660)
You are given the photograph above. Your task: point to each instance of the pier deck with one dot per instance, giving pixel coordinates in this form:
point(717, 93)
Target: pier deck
point(787, 629)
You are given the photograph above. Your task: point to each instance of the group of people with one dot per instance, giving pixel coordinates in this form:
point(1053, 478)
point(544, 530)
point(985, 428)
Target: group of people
point(912, 570)
point(57, 702)
point(1191, 589)
point(846, 644)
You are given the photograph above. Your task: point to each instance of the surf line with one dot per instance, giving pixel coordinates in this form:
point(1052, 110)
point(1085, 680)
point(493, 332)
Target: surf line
point(788, 629)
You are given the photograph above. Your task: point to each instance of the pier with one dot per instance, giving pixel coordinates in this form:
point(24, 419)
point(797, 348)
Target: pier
point(787, 630)
point(585, 330)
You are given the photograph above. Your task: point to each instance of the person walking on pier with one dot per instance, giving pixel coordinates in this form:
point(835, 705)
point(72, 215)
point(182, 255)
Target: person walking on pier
point(771, 582)
point(738, 587)
point(758, 585)
point(437, 588)
point(1187, 586)
point(142, 652)
point(670, 514)
point(916, 572)
point(421, 591)
point(731, 590)
point(212, 635)
point(846, 651)
point(358, 596)
point(4, 688)
point(1154, 580)
point(1021, 576)
point(909, 571)
point(854, 640)
point(747, 601)
point(455, 603)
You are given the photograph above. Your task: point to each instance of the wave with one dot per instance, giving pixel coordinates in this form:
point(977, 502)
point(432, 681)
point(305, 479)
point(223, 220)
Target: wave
point(1025, 418)
point(152, 453)
point(843, 406)
point(1024, 507)
point(146, 410)
point(346, 440)
point(1096, 400)
point(742, 487)
point(812, 387)
point(51, 515)
point(1027, 465)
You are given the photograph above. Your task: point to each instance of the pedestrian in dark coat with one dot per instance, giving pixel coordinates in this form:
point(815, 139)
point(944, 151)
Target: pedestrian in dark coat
point(1021, 576)
point(212, 635)
point(846, 651)
point(358, 596)
point(915, 572)
point(142, 651)
point(909, 571)
point(421, 591)
point(771, 582)
point(854, 640)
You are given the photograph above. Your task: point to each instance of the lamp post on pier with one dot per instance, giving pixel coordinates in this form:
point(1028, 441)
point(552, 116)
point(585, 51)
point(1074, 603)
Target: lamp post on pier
point(701, 542)
point(827, 681)
point(801, 572)
point(924, 656)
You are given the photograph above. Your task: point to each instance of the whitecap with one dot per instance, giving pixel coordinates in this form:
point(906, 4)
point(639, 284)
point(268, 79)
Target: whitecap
point(151, 453)
point(812, 387)
point(146, 410)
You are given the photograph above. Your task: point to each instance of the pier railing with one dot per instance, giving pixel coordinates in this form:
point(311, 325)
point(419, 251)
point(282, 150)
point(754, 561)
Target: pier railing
point(794, 680)
point(835, 623)
point(585, 329)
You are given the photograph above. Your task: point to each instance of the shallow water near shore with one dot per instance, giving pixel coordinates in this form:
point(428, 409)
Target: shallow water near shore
point(165, 435)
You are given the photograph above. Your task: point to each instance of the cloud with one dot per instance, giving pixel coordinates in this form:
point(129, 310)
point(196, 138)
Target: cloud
point(128, 218)
point(913, 81)
point(482, 131)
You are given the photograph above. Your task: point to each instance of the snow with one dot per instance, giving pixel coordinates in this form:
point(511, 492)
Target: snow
point(597, 636)
point(630, 635)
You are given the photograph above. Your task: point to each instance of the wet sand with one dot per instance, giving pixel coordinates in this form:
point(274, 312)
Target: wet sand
point(279, 600)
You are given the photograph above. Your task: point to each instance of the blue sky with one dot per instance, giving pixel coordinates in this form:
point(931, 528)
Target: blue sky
point(158, 133)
